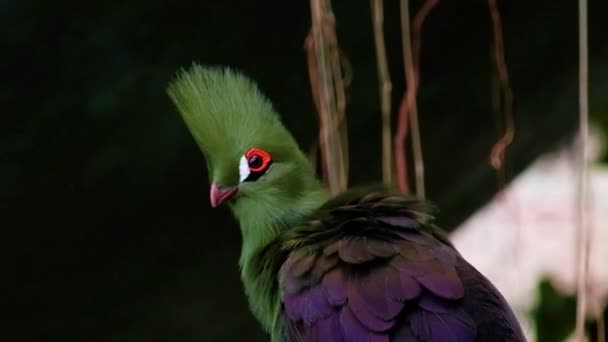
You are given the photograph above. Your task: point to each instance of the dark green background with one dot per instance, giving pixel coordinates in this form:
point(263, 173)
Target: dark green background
point(108, 234)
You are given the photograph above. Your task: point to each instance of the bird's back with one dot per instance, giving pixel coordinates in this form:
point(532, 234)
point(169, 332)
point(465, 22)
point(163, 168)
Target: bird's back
point(372, 267)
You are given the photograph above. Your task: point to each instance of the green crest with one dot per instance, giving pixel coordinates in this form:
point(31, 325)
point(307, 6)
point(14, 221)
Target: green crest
point(226, 114)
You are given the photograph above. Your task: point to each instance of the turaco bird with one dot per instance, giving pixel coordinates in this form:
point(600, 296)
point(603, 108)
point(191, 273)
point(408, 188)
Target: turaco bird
point(366, 265)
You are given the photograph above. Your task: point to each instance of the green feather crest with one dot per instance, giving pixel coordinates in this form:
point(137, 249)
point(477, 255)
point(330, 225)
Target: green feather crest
point(224, 110)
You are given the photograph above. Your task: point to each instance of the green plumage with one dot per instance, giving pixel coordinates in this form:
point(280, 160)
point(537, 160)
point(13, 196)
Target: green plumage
point(227, 114)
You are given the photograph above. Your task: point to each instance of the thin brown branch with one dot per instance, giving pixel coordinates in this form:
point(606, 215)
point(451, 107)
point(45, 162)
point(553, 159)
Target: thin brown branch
point(311, 61)
point(497, 155)
point(584, 229)
point(324, 61)
point(313, 78)
point(406, 102)
point(601, 327)
point(314, 86)
point(419, 19)
point(385, 86)
point(408, 109)
point(496, 95)
point(399, 142)
point(340, 98)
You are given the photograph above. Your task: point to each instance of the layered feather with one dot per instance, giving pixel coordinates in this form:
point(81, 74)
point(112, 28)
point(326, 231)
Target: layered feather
point(373, 268)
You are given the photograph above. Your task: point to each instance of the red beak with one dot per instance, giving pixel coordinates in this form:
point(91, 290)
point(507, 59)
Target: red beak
point(219, 195)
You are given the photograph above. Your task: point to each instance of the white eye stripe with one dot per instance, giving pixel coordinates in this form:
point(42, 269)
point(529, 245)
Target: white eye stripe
point(243, 169)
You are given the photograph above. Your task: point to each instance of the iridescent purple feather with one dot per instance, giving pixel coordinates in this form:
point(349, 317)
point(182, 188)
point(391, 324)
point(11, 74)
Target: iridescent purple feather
point(357, 278)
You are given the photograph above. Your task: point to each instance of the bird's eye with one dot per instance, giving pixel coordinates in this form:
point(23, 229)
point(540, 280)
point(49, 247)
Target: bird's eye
point(254, 164)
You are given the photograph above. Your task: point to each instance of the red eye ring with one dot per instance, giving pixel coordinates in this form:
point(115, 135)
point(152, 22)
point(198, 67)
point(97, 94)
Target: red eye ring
point(258, 159)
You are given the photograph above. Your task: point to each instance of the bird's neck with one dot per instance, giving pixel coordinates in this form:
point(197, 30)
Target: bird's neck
point(262, 220)
point(264, 217)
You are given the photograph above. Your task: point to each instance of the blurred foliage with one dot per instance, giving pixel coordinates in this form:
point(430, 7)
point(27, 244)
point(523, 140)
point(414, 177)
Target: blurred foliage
point(554, 315)
point(600, 121)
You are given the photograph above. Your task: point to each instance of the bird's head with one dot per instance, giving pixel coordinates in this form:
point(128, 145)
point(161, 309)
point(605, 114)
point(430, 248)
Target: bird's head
point(251, 158)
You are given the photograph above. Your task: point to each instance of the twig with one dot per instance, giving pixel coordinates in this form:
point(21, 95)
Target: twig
point(408, 110)
point(583, 240)
point(419, 19)
point(399, 142)
point(385, 89)
point(601, 325)
point(312, 75)
point(325, 74)
point(497, 155)
point(408, 107)
point(496, 95)
point(416, 140)
point(338, 88)
point(502, 103)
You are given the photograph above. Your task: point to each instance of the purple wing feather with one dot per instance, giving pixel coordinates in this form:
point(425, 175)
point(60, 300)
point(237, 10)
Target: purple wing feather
point(335, 285)
point(354, 330)
point(374, 280)
point(438, 320)
point(372, 291)
point(328, 329)
point(371, 306)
